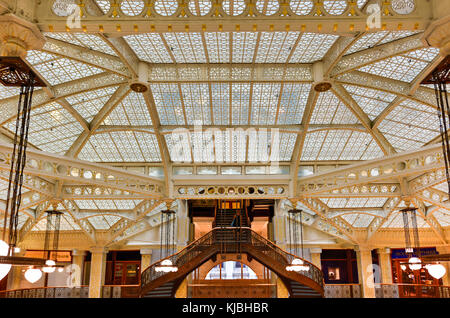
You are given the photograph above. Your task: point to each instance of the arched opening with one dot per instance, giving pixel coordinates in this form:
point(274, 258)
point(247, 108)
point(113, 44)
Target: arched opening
point(231, 270)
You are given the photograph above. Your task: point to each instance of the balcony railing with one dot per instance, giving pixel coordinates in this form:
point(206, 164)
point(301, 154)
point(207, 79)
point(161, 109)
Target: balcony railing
point(388, 291)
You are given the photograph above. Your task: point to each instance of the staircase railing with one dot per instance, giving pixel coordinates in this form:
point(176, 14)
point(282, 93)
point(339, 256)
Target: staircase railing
point(282, 257)
point(232, 238)
point(178, 259)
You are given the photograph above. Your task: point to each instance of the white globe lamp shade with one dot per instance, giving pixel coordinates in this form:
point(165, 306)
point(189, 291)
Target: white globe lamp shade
point(4, 268)
point(415, 263)
point(436, 270)
point(60, 270)
point(33, 275)
point(403, 267)
point(50, 266)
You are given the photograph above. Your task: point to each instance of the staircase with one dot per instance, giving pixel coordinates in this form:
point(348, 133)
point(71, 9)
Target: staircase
point(225, 239)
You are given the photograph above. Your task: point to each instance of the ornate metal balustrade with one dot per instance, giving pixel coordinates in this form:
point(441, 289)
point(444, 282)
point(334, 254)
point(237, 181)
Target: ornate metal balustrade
point(232, 191)
point(410, 163)
point(83, 172)
point(231, 240)
point(245, 15)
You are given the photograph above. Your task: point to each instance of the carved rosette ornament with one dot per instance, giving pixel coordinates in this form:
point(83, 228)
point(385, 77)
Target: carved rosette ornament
point(18, 36)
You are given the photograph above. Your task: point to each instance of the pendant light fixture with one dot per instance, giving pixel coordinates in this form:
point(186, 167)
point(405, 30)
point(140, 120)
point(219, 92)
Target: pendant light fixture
point(15, 72)
point(295, 217)
point(414, 262)
point(167, 240)
point(440, 78)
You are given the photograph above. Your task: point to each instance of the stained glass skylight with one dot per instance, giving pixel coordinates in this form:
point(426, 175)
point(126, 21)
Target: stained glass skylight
point(410, 125)
point(90, 41)
point(330, 110)
point(58, 70)
point(403, 67)
point(132, 111)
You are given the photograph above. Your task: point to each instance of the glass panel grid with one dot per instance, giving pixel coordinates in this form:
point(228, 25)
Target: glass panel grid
point(330, 110)
point(312, 47)
point(196, 103)
point(132, 111)
point(168, 104)
point(264, 103)
point(294, 98)
point(59, 70)
point(186, 47)
point(149, 47)
point(89, 104)
point(275, 47)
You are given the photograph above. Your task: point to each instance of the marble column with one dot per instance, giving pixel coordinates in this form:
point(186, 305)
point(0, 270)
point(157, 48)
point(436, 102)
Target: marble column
point(315, 256)
point(98, 266)
point(77, 267)
point(365, 271)
point(384, 257)
point(146, 258)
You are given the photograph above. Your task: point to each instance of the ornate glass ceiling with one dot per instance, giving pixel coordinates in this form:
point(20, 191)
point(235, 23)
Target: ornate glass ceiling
point(251, 80)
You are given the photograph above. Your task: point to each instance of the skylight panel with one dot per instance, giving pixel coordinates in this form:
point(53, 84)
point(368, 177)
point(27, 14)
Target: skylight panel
point(86, 204)
point(179, 147)
point(88, 104)
point(168, 103)
point(233, 7)
point(442, 187)
point(240, 103)
point(335, 7)
point(104, 5)
point(8, 91)
point(286, 146)
point(373, 39)
point(203, 146)
point(99, 222)
point(244, 45)
point(312, 145)
point(275, 47)
point(221, 103)
point(301, 7)
point(259, 145)
point(196, 103)
point(218, 46)
point(52, 128)
point(361, 3)
point(186, 47)
point(443, 217)
point(375, 202)
point(294, 98)
point(59, 70)
point(90, 41)
point(312, 47)
point(357, 146)
point(330, 110)
point(121, 146)
point(334, 144)
point(267, 7)
point(350, 218)
point(166, 7)
point(410, 125)
point(132, 111)
point(132, 7)
point(104, 147)
point(427, 54)
point(264, 103)
point(200, 7)
point(149, 47)
point(371, 101)
point(367, 41)
point(403, 67)
point(363, 221)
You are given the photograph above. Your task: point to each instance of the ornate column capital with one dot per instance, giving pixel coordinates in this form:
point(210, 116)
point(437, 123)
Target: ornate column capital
point(78, 253)
point(17, 36)
point(385, 250)
point(98, 250)
point(146, 251)
point(315, 250)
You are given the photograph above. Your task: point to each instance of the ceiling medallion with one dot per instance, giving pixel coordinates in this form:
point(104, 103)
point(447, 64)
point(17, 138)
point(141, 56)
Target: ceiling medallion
point(322, 87)
point(138, 87)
